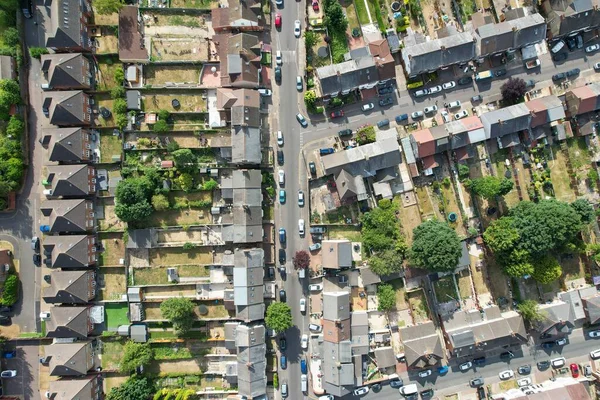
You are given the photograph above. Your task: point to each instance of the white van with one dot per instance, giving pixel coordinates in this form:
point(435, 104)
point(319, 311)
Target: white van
point(304, 383)
point(558, 47)
point(301, 227)
point(595, 354)
point(409, 389)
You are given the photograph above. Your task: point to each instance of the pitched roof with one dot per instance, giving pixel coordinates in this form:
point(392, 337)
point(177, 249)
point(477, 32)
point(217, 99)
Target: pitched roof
point(244, 14)
point(66, 144)
point(338, 369)
point(583, 99)
point(507, 120)
point(70, 180)
point(239, 56)
point(68, 322)
point(336, 331)
point(75, 389)
point(251, 361)
point(65, 108)
point(592, 309)
point(545, 110)
point(131, 41)
point(425, 144)
point(364, 160)
point(69, 251)
point(66, 70)
point(245, 145)
point(347, 76)
point(511, 34)
point(558, 318)
point(248, 274)
point(349, 186)
point(70, 359)
point(67, 215)
point(422, 345)
point(64, 27)
point(69, 287)
point(566, 16)
point(385, 357)
point(360, 332)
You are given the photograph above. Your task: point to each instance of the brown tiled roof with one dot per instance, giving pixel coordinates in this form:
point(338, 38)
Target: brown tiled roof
point(130, 38)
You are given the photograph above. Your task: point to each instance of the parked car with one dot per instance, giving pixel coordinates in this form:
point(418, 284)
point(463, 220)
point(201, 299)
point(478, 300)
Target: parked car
point(573, 72)
point(299, 85)
point(425, 374)
point(278, 21)
point(345, 132)
point(476, 99)
point(35, 243)
point(282, 196)
point(304, 341)
point(426, 393)
point(297, 31)
point(300, 198)
point(303, 305)
point(9, 373)
point(318, 229)
point(461, 114)
point(383, 123)
point(388, 101)
point(524, 369)
point(326, 397)
point(465, 366)
point(560, 57)
point(367, 106)
point(542, 365)
point(361, 391)
point(594, 334)
point(507, 355)
point(326, 150)
point(280, 157)
point(337, 114)
point(597, 67)
point(417, 114)
point(265, 92)
point(278, 57)
point(500, 72)
point(559, 76)
point(530, 83)
point(314, 247)
point(315, 5)
point(312, 167)
point(376, 388)
point(548, 345)
point(430, 109)
point(561, 342)
point(278, 74)
point(524, 382)
point(301, 120)
point(284, 390)
point(282, 235)
point(558, 362)
point(476, 382)
point(401, 118)
point(587, 370)
point(281, 177)
point(595, 354)
point(571, 43)
point(315, 328)
point(592, 48)
point(445, 116)
point(9, 354)
point(574, 370)
point(303, 367)
point(449, 85)
point(465, 80)
point(435, 89)
point(283, 361)
point(282, 296)
point(479, 361)
point(396, 383)
point(421, 92)
point(317, 287)
point(279, 138)
point(453, 104)
point(385, 90)
point(282, 257)
point(504, 375)
point(37, 260)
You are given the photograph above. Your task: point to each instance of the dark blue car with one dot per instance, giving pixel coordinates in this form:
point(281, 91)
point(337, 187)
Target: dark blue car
point(401, 118)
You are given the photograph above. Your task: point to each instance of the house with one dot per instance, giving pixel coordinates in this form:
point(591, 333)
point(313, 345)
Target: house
point(562, 387)
point(558, 319)
point(66, 25)
point(385, 357)
point(70, 251)
point(7, 68)
point(420, 56)
point(69, 322)
point(364, 68)
point(131, 36)
point(591, 307)
point(239, 56)
point(68, 145)
point(423, 347)
point(359, 333)
point(545, 110)
point(569, 17)
point(475, 332)
point(70, 287)
point(510, 35)
point(364, 160)
point(575, 299)
point(583, 99)
point(244, 16)
point(336, 316)
point(70, 359)
point(248, 286)
point(409, 155)
point(336, 254)
point(460, 135)
point(338, 377)
point(70, 181)
point(505, 124)
point(67, 71)
point(68, 108)
point(251, 359)
point(72, 216)
point(244, 190)
point(88, 388)
point(241, 107)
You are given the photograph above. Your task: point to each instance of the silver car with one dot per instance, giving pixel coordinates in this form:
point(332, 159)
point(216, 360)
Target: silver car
point(417, 114)
point(299, 83)
point(435, 89)
point(430, 109)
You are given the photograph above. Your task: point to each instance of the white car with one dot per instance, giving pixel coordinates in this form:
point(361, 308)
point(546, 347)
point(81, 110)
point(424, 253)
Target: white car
point(435, 89)
point(453, 104)
point(561, 342)
point(361, 391)
point(265, 92)
point(592, 48)
point(367, 107)
point(430, 109)
point(304, 341)
point(465, 366)
point(299, 83)
point(315, 288)
point(595, 354)
point(425, 374)
point(445, 116)
point(281, 174)
point(297, 28)
point(301, 227)
point(449, 85)
point(326, 397)
point(315, 328)
point(597, 67)
point(9, 373)
point(300, 198)
point(461, 114)
point(303, 305)
point(594, 334)
point(504, 375)
point(280, 138)
point(278, 57)
point(524, 382)
point(558, 362)
point(416, 114)
point(279, 2)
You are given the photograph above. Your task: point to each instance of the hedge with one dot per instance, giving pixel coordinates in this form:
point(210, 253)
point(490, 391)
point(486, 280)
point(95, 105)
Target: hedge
point(10, 295)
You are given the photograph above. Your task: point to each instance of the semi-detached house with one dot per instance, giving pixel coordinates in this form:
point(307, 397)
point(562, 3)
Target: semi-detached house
point(66, 25)
point(67, 71)
point(68, 145)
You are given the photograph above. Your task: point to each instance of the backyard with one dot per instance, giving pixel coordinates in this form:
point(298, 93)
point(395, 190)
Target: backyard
point(418, 306)
point(180, 256)
point(162, 74)
point(152, 311)
point(110, 145)
point(110, 222)
point(186, 122)
point(115, 283)
point(424, 202)
point(445, 289)
point(350, 232)
point(179, 48)
point(112, 351)
point(177, 218)
point(198, 4)
point(116, 315)
point(190, 101)
point(106, 74)
point(559, 174)
point(158, 275)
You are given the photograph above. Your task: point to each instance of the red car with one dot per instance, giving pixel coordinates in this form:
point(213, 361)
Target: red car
point(337, 114)
point(278, 21)
point(315, 6)
point(574, 370)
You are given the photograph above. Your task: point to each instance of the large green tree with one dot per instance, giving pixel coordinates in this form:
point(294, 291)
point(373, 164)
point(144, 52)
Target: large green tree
point(517, 264)
point(279, 317)
point(489, 187)
point(135, 355)
point(436, 246)
point(386, 262)
point(335, 17)
point(133, 199)
point(585, 210)
point(501, 236)
point(134, 388)
point(546, 269)
point(386, 297)
point(180, 312)
point(9, 95)
point(530, 310)
point(185, 159)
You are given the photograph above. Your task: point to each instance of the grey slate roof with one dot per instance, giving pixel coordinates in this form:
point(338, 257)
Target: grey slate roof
point(422, 345)
point(66, 70)
point(592, 309)
point(558, 318)
point(248, 276)
point(70, 180)
point(70, 359)
point(142, 238)
point(336, 306)
point(68, 322)
point(68, 251)
point(385, 357)
point(66, 144)
point(368, 277)
point(134, 100)
point(69, 287)
point(251, 360)
point(64, 27)
point(338, 369)
point(65, 108)
point(503, 121)
point(7, 67)
point(359, 329)
point(511, 34)
point(245, 145)
point(67, 215)
point(364, 160)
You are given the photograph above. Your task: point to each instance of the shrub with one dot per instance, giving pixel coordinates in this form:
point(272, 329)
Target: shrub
point(117, 92)
point(160, 202)
point(10, 295)
point(120, 106)
point(36, 52)
point(121, 121)
point(119, 75)
point(161, 126)
point(188, 246)
point(163, 114)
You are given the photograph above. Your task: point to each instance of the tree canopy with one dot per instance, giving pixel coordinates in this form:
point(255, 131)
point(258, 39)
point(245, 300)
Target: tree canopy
point(279, 317)
point(301, 259)
point(386, 297)
point(135, 355)
point(9, 95)
point(546, 269)
point(530, 310)
point(134, 199)
point(585, 210)
point(489, 187)
point(501, 236)
point(513, 91)
point(108, 6)
point(180, 312)
point(185, 159)
point(134, 388)
point(386, 262)
point(436, 246)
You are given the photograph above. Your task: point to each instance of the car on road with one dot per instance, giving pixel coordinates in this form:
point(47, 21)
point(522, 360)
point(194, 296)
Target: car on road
point(383, 123)
point(301, 227)
point(361, 391)
point(314, 247)
point(449, 85)
point(282, 235)
point(282, 296)
point(594, 334)
point(279, 138)
point(475, 382)
point(435, 89)
point(337, 114)
point(303, 367)
point(417, 114)
point(559, 76)
point(396, 383)
point(530, 83)
point(430, 109)
point(524, 369)
point(317, 287)
point(425, 374)
point(426, 393)
point(597, 67)
point(465, 366)
point(401, 118)
point(315, 328)
point(504, 375)
point(301, 120)
point(574, 370)
point(592, 48)
point(37, 260)
point(299, 84)
point(542, 365)
point(524, 382)
point(303, 305)
point(558, 362)
point(282, 196)
point(278, 58)
point(367, 107)
point(300, 198)
point(561, 342)
point(345, 132)
point(283, 361)
point(278, 74)
point(8, 373)
point(465, 80)
point(385, 90)
point(326, 150)
point(35, 243)
point(421, 92)
point(461, 114)
point(282, 257)
point(388, 101)
point(278, 21)
point(376, 388)
point(500, 72)
point(284, 390)
point(281, 177)
point(573, 72)
point(280, 157)
point(595, 354)
point(476, 99)
point(560, 57)
point(297, 31)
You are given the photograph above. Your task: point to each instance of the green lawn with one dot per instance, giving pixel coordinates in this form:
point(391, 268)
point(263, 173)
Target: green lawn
point(445, 290)
point(361, 12)
point(109, 145)
point(111, 354)
point(579, 154)
point(349, 232)
point(116, 315)
point(168, 334)
point(106, 76)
